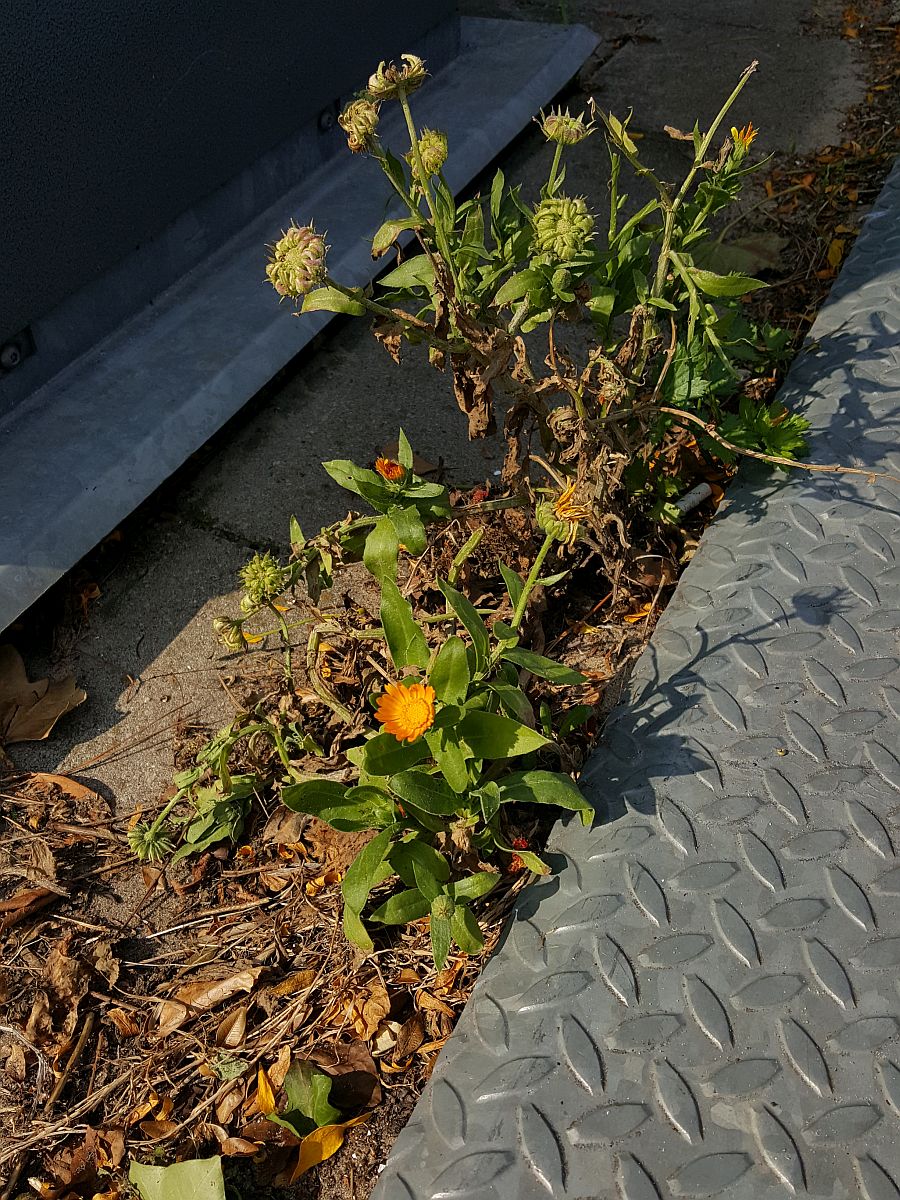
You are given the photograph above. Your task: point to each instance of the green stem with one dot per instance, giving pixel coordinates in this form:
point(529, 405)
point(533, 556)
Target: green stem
point(615, 163)
point(531, 581)
point(286, 643)
point(440, 232)
point(393, 314)
point(554, 168)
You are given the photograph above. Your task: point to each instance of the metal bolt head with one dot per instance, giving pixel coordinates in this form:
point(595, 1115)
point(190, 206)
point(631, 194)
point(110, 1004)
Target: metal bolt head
point(10, 356)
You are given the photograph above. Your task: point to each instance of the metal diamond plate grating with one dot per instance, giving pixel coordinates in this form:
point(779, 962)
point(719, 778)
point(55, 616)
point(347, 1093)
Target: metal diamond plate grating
point(706, 999)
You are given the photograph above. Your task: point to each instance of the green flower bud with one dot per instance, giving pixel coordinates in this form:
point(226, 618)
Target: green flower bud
point(562, 227)
point(390, 81)
point(297, 264)
point(263, 578)
point(432, 148)
point(559, 126)
point(359, 121)
point(442, 908)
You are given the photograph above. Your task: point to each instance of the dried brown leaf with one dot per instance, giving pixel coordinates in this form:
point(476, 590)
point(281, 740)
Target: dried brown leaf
point(29, 710)
point(232, 1029)
point(202, 996)
point(124, 1022)
point(410, 1037)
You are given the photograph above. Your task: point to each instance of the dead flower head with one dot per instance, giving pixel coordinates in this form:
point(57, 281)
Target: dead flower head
point(559, 126)
point(359, 121)
point(406, 710)
point(389, 469)
point(391, 81)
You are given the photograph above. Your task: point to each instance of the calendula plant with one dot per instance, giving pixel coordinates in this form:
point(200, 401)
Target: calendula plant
point(458, 742)
point(445, 729)
point(671, 346)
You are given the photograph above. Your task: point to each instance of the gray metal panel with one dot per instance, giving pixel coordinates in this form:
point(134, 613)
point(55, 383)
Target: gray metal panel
point(118, 117)
point(83, 450)
point(704, 1000)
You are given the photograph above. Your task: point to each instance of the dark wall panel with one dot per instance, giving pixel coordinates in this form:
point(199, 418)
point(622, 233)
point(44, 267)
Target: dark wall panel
point(115, 117)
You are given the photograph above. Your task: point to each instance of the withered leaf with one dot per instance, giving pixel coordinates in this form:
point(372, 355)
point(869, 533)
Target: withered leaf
point(202, 996)
point(29, 710)
point(354, 1076)
point(124, 1022)
point(231, 1029)
point(410, 1037)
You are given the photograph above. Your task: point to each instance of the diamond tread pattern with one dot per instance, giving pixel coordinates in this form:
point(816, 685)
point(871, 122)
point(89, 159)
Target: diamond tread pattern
point(704, 1000)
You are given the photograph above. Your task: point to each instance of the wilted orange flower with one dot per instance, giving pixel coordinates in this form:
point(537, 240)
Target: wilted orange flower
point(744, 136)
point(406, 710)
point(571, 512)
point(390, 470)
point(516, 862)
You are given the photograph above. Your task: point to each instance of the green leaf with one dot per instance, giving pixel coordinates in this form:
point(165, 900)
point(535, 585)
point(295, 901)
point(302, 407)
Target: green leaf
point(450, 676)
point(723, 285)
point(409, 528)
point(312, 795)
point(406, 855)
point(384, 755)
point(449, 756)
point(497, 194)
point(473, 887)
point(518, 285)
point(490, 735)
point(356, 932)
point(381, 550)
point(465, 930)
point(514, 583)
point(390, 231)
point(406, 906)
point(575, 717)
point(543, 667)
point(415, 272)
point(533, 863)
point(298, 541)
point(428, 792)
point(404, 451)
point(470, 619)
point(307, 1089)
point(362, 873)
point(489, 800)
point(361, 481)
point(405, 639)
point(545, 787)
point(329, 299)
point(440, 939)
point(514, 702)
point(194, 1179)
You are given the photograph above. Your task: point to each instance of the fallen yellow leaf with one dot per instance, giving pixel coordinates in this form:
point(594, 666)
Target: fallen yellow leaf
point(322, 1143)
point(265, 1097)
point(836, 251)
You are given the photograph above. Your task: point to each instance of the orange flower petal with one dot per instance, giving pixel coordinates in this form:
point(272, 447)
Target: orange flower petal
point(406, 711)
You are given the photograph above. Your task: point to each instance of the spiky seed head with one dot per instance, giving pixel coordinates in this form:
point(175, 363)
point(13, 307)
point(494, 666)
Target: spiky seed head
point(297, 261)
point(359, 121)
point(433, 150)
point(263, 578)
point(562, 227)
point(389, 81)
point(559, 126)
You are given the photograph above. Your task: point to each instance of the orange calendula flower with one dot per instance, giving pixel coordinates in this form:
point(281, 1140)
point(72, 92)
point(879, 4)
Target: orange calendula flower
point(743, 137)
point(406, 710)
point(390, 470)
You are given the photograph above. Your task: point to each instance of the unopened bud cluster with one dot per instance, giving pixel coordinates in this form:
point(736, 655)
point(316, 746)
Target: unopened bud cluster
point(432, 151)
point(562, 227)
point(559, 126)
point(263, 579)
point(297, 262)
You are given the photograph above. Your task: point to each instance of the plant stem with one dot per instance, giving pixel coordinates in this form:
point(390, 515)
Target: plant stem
point(286, 643)
point(531, 582)
point(554, 168)
point(440, 232)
